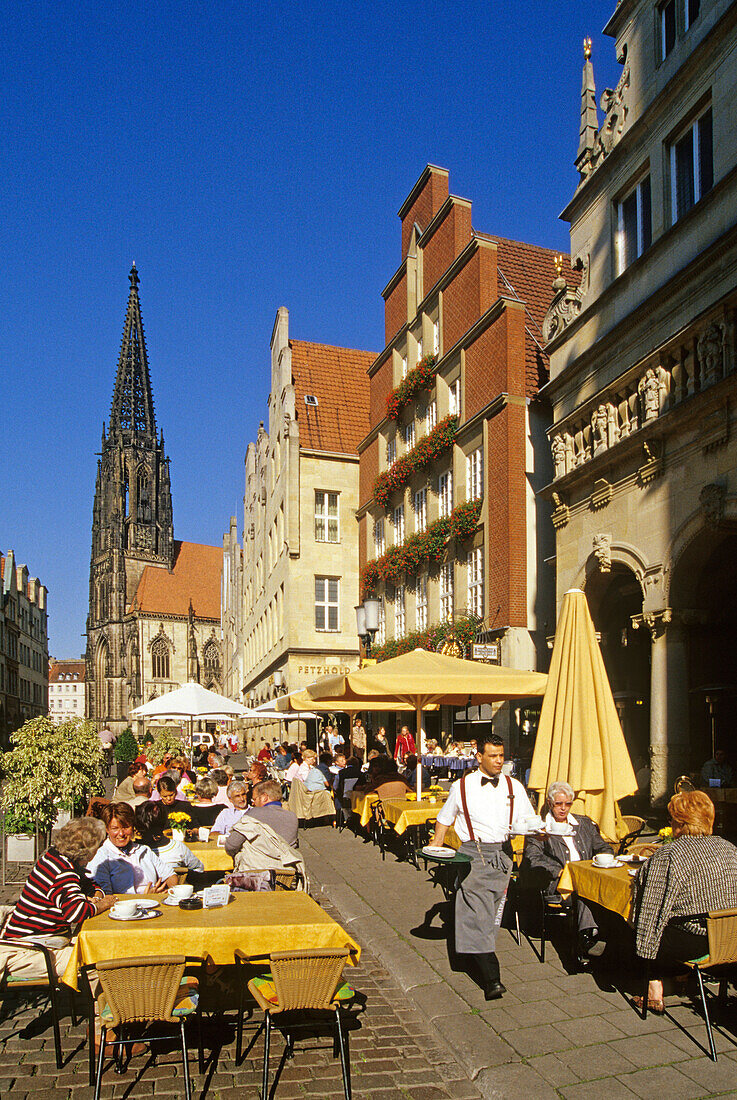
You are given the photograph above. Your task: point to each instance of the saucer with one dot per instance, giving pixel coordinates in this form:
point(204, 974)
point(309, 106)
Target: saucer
point(606, 866)
point(146, 914)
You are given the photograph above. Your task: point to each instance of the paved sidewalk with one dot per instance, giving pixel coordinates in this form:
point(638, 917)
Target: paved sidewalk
point(395, 1052)
point(554, 1034)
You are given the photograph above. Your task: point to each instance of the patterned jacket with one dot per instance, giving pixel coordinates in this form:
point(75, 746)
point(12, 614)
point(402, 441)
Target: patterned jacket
point(692, 875)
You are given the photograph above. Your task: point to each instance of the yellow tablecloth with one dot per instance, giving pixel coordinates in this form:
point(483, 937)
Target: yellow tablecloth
point(612, 889)
point(256, 923)
point(402, 813)
point(361, 804)
point(213, 858)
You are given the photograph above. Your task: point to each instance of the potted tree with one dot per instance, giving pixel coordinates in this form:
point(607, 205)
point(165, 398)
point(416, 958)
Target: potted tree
point(49, 768)
point(125, 752)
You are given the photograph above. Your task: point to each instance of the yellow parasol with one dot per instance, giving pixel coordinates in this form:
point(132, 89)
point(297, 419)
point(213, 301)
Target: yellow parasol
point(579, 737)
point(419, 680)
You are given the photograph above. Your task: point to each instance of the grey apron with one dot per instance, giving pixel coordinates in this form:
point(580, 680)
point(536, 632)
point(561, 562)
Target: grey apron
point(478, 897)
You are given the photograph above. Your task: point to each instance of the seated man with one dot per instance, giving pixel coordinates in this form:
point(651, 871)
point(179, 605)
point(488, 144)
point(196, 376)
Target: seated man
point(141, 791)
point(265, 753)
point(546, 856)
point(267, 808)
point(283, 758)
point(227, 818)
point(717, 772)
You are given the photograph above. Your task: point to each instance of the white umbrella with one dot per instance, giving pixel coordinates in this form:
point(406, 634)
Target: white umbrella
point(191, 701)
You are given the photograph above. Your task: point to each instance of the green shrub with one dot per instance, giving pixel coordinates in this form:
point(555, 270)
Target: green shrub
point(166, 739)
point(126, 747)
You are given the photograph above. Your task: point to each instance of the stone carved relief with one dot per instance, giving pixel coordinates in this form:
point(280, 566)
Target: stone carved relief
point(711, 347)
point(599, 429)
point(602, 494)
point(655, 621)
point(567, 301)
point(561, 512)
point(558, 450)
point(603, 552)
point(711, 500)
point(614, 105)
point(652, 390)
point(652, 467)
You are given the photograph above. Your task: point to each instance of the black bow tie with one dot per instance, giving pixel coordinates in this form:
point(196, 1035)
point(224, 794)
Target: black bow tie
point(494, 780)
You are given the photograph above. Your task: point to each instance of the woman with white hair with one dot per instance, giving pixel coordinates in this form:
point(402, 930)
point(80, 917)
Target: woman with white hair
point(547, 854)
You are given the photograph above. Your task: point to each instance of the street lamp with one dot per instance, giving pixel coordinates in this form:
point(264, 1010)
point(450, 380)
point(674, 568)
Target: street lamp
point(278, 678)
point(367, 621)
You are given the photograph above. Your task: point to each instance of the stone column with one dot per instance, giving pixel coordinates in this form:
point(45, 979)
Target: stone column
point(668, 707)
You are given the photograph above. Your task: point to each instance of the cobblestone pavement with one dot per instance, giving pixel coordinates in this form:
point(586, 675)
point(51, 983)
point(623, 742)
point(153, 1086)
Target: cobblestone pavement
point(554, 1033)
point(395, 1053)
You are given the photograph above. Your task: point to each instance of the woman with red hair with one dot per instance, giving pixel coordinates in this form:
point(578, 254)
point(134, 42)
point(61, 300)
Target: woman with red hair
point(680, 883)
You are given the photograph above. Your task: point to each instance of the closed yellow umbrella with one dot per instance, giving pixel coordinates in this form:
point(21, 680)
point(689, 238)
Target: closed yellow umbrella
point(418, 680)
point(579, 737)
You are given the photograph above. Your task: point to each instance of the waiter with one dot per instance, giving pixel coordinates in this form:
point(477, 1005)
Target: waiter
point(486, 808)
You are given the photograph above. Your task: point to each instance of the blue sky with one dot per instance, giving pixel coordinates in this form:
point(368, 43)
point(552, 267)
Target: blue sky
point(246, 156)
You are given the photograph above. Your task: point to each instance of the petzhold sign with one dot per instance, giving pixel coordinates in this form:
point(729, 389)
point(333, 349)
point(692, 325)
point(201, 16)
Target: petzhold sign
point(323, 670)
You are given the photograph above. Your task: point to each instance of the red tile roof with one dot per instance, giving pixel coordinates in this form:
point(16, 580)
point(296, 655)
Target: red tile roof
point(338, 378)
point(61, 670)
point(527, 271)
point(195, 577)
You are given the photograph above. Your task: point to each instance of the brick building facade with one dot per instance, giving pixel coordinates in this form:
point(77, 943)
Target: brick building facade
point(24, 642)
point(452, 527)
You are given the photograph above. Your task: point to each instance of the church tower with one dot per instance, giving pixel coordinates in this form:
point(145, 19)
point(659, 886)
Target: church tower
point(132, 527)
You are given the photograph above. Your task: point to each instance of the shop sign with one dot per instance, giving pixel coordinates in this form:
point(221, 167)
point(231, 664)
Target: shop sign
point(487, 652)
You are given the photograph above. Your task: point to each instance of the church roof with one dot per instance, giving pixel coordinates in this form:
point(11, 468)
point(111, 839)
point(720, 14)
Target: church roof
point(195, 577)
point(338, 378)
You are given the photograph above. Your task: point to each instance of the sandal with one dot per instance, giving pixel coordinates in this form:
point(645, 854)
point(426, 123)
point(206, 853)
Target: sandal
point(656, 1007)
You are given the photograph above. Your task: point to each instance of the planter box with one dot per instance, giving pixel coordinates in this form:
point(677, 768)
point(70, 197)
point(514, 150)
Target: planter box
point(122, 769)
point(20, 848)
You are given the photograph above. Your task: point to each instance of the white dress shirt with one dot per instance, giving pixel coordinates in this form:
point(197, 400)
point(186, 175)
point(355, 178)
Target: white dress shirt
point(488, 808)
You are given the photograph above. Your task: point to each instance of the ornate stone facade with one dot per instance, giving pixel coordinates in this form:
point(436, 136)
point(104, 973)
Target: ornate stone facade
point(644, 380)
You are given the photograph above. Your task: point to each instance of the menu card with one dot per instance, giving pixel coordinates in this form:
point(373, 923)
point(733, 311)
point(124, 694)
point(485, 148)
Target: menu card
point(214, 897)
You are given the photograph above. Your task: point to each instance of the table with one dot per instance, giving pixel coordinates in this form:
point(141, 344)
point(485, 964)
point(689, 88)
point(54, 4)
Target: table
point(361, 804)
point(257, 923)
point(404, 813)
point(452, 763)
point(612, 889)
point(446, 882)
point(213, 857)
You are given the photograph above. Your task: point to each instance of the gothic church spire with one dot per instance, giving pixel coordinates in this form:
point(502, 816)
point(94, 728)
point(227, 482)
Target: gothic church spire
point(133, 404)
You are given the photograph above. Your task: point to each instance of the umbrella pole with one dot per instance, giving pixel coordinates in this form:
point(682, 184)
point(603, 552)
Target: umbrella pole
point(418, 773)
point(191, 740)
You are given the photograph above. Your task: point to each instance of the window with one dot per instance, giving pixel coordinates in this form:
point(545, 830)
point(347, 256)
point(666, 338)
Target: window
point(476, 581)
point(691, 166)
point(634, 225)
point(421, 602)
point(446, 590)
point(399, 525)
point(404, 366)
point(474, 490)
point(381, 632)
point(408, 434)
point(432, 415)
point(391, 451)
point(445, 493)
point(667, 28)
point(436, 337)
point(160, 659)
point(420, 510)
point(327, 596)
point(379, 538)
point(454, 398)
point(419, 349)
point(326, 516)
point(400, 613)
point(691, 9)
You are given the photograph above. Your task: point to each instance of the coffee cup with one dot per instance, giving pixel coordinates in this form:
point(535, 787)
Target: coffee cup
point(203, 833)
point(181, 892)
point(604, 859)
point(534, 822)
point(559, 828)
point(125, 908)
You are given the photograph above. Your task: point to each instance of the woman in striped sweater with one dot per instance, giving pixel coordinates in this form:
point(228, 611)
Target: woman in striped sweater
point(56, 898)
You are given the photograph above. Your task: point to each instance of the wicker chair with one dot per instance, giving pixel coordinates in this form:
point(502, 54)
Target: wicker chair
point(379, 828)
point(143, 991)
point(298, 982)
point(634, 826)
point(721, 928)
point(49, 983)
point(558, 908)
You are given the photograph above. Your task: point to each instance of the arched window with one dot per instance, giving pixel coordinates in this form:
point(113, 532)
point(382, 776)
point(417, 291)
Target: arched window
point(143, 497)
point(211, 660)
point(102, 673)
point(160, 659)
